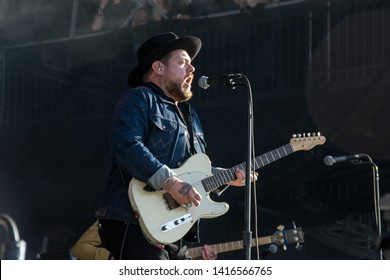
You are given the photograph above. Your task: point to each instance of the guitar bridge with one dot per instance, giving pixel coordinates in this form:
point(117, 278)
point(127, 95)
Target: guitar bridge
point(176, 223)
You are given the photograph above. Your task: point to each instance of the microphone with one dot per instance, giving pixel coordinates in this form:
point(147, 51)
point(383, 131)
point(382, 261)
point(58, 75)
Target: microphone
point(204, 81)
point(329, 160)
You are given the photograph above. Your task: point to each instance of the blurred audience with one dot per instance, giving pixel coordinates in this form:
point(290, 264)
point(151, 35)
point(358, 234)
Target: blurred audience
point(249, 5)
point(164, 6)
point(151, 11)
point(187, 9)
point(112, 14)
point(220, 6)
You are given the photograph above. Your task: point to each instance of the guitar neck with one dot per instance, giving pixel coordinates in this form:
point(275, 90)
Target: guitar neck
point(196, 252)
point(213, 182)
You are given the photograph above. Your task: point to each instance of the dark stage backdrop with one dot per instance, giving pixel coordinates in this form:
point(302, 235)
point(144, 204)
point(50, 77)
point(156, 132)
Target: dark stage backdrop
point(312, 68)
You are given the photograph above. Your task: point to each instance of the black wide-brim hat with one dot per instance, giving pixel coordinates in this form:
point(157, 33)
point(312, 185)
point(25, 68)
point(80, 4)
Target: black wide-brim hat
point(157, 47)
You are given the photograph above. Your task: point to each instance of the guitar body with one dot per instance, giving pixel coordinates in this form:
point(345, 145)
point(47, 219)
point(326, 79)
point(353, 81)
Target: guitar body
point(161, 224)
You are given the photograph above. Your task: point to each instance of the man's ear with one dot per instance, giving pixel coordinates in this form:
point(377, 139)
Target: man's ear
point(158, 67)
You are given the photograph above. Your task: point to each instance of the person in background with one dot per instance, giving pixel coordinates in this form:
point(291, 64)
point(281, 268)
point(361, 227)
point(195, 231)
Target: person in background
point(89, 247)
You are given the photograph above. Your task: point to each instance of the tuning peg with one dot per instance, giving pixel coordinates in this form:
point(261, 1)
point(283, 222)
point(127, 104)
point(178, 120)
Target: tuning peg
point(295, 231)
point(280, 227)
point(298, 246)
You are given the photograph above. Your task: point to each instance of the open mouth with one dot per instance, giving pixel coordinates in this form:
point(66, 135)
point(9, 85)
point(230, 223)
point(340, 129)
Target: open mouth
point(188, 80)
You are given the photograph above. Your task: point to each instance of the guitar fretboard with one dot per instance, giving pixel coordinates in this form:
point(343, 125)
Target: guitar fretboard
point(229, 246)
point(224, 177)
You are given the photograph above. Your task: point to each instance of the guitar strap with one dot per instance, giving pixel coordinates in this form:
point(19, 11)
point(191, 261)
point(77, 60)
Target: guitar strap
point(193, 234)
point(187, 117)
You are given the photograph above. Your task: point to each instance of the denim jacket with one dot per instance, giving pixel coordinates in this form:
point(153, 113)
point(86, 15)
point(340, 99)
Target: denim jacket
point(148, 138)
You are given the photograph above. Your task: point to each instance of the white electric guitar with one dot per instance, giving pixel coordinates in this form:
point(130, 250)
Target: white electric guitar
point(164, 221)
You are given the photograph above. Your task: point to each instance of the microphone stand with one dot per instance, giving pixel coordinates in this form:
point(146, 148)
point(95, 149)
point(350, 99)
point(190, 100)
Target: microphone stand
point(247, 234)
point(375, 172)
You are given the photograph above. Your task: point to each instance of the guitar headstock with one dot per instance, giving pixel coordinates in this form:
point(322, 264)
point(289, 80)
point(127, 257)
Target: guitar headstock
point(286, 237)
point(306, 141)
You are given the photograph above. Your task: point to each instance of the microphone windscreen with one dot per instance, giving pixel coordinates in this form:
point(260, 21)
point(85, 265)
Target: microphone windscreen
point(328, 160)
point(202, 82)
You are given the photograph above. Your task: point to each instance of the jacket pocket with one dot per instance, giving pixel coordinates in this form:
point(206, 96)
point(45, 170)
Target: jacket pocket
point(163, 124)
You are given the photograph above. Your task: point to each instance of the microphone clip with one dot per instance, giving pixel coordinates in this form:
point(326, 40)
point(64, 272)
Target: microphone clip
point(230, 84)
point(228, 81)
point(358, 161)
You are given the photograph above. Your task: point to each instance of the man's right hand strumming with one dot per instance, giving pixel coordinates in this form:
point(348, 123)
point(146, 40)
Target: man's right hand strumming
point(182, 192)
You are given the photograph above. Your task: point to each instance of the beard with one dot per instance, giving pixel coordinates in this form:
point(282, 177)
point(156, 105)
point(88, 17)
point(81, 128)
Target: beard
point(176, 90)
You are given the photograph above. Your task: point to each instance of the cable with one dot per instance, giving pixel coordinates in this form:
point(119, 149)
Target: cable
point(255, 201)
point(124, 240)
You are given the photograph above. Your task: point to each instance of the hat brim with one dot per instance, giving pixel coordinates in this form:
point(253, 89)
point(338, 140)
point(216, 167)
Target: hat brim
point(190, 44)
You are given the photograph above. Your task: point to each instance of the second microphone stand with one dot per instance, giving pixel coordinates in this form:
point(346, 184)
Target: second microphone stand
point(375, 172)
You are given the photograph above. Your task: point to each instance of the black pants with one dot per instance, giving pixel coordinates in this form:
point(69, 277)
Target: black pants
point(126, 242)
